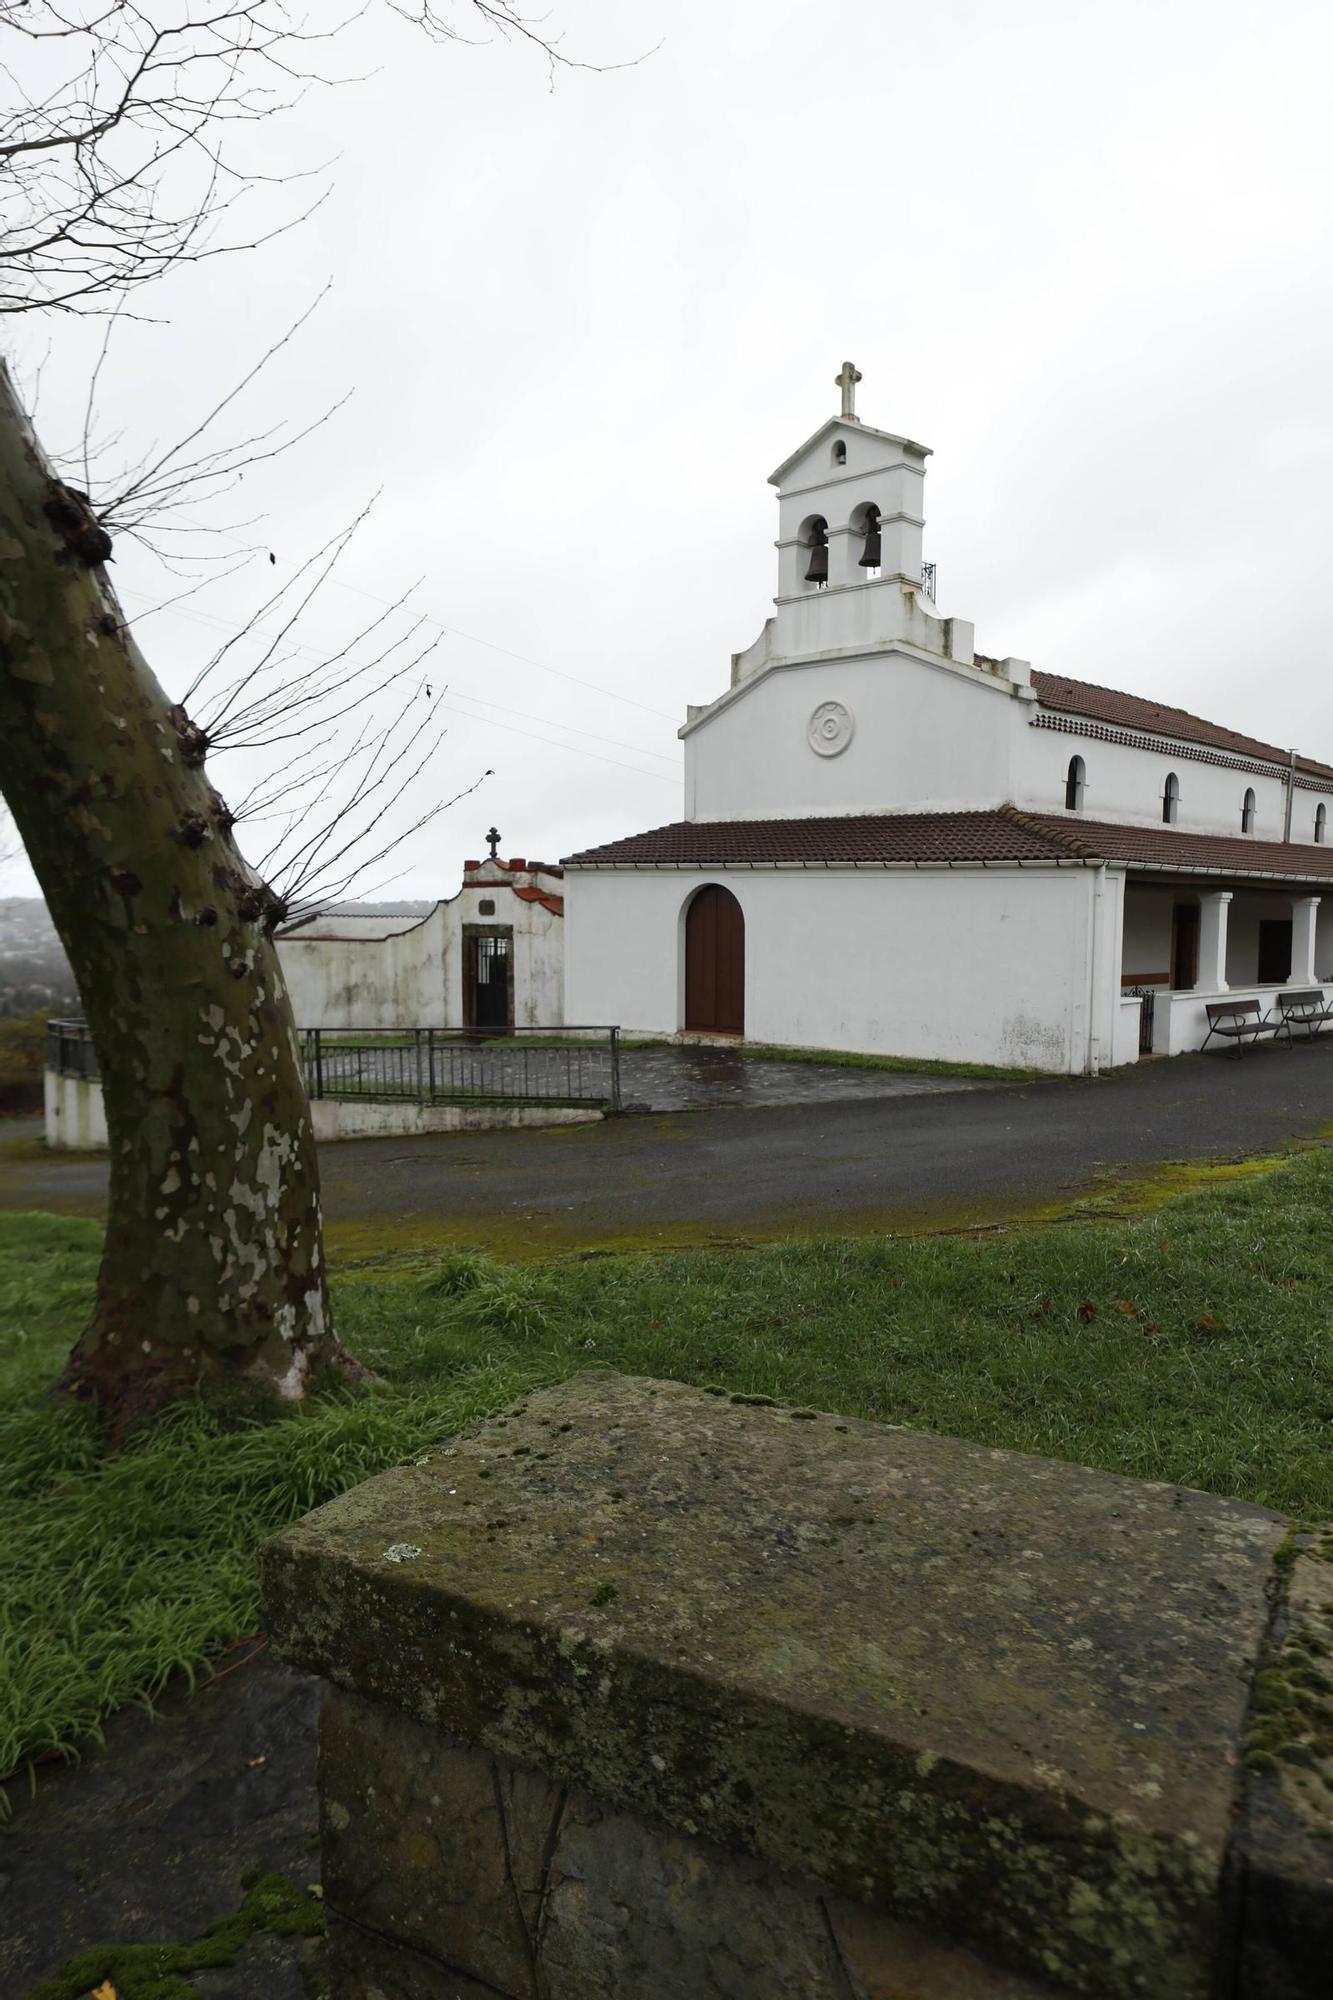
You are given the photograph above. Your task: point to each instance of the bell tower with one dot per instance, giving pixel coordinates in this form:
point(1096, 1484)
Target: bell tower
point(850, 520)
point(848, 476)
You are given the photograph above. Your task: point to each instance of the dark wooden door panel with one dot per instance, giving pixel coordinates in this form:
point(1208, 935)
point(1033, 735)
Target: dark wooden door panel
point(1184, 946)
point(1274, 951)
point(715, 963)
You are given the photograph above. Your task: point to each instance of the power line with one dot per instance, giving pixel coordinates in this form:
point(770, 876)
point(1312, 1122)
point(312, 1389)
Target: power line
point(550, 744)
point(212, 620)
point(510, 654)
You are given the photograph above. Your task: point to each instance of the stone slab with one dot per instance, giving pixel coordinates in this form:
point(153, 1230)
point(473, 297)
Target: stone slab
point(1284, 1853)
point(998, 1695)
point(500, 1880)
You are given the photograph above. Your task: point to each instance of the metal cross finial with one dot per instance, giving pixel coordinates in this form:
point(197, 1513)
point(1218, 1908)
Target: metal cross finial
point(494, 840)
point(847, 378)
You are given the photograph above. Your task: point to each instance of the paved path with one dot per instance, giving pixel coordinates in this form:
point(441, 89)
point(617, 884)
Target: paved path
point(862, 1165)
point(703, 1078)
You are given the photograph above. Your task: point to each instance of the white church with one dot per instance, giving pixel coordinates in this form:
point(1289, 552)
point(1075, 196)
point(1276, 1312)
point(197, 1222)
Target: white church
point(894, 843)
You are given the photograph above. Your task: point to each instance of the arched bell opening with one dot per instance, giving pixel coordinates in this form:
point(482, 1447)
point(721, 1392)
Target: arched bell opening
point(714, 962)
point(838, 456)
point(814, 539)
point(864, 530)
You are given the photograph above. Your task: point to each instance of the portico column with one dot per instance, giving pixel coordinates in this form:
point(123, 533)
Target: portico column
point(1303, 910)
point(1213, 942)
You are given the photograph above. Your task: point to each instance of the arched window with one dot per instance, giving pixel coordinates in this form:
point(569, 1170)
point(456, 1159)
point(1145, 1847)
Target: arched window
point(1171, 799)
point(1320, 823)
point(1074, 785)
point(814, 536)
point(1247, 811)
point(840, 451)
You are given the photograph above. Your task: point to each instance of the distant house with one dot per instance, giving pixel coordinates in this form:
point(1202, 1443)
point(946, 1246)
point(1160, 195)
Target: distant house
point(491, 955)
point(892, 842)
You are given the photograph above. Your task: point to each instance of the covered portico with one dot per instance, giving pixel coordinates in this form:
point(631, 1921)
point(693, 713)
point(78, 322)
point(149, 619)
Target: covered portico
point(1188, 941)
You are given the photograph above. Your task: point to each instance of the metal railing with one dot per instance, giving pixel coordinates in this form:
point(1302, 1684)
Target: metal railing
point(575, 1066)
point(565, 1065)
point(70, 1051)
point(928, 580)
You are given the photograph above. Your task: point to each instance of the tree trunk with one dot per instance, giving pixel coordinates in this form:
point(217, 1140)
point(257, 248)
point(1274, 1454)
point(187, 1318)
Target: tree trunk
point(213, 1267)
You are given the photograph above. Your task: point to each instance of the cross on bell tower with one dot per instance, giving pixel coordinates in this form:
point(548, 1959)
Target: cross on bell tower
point(493, 841)
point(846, 379)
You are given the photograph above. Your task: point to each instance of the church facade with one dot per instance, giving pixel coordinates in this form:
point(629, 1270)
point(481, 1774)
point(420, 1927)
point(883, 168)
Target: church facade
point(893, 843)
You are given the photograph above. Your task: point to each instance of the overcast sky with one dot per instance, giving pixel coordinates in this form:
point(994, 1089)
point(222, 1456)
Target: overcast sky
point(1081, 249)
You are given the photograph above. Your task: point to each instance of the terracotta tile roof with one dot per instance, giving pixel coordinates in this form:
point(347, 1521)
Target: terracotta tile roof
point(934, 839)
point(1133, 711)
point(1169, 847)
point(864, 837)
point(546, 897)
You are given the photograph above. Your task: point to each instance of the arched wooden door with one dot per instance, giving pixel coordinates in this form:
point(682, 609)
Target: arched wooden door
point(715, 963)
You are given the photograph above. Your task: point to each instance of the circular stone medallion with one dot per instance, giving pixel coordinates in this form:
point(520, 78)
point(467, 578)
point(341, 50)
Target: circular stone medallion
point(830, 729)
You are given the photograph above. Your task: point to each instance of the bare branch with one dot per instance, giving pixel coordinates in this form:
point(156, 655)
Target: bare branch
point(115, 162)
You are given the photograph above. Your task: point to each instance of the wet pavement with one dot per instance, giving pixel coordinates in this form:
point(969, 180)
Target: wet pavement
point(704, 1079)
point(943, 1156)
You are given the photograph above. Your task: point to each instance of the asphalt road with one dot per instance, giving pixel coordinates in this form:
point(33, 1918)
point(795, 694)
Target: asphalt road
point(805, 1169)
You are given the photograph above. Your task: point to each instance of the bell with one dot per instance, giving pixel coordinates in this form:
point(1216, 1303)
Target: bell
point(869, 556)
point(818, 570)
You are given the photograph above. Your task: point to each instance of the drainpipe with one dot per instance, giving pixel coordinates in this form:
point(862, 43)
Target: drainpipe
point(1291, 787)
point(1094, 1063)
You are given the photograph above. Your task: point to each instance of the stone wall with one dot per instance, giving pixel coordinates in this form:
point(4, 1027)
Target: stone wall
point(644, 1692)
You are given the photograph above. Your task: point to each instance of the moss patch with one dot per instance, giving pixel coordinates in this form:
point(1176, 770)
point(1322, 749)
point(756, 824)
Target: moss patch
point(1290, 1732)
point(161, 1971)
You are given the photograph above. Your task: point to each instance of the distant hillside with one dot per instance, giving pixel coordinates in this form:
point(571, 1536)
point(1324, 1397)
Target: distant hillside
point(34, 972)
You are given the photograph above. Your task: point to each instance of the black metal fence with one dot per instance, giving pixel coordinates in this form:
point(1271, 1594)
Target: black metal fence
point(70, 1051)
point(570, 1066)
point(573, 1066)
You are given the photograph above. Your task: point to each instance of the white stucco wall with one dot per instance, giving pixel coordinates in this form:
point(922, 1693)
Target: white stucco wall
point(75, 1113)
point(926, 736)
point(931, 735)
point(1124, 782)
point(414, 979)
point(340, 1118)
point(1147, 949)
point(392, 982)
point(967, 965)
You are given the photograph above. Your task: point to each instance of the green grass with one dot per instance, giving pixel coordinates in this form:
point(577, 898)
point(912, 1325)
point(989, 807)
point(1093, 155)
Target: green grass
point(910, 1065)
point(1190, 1345)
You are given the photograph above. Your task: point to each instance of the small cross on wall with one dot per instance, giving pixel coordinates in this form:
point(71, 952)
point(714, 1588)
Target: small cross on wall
point(846, 379)
point(493, 840)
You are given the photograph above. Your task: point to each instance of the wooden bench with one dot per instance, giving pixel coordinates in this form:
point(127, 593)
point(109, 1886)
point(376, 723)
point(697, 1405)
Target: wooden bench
point(1305, 1009)
point(1240, 1022)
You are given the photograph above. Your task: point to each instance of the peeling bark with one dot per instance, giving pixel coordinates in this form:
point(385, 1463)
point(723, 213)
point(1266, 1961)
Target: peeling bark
point(213, 1266)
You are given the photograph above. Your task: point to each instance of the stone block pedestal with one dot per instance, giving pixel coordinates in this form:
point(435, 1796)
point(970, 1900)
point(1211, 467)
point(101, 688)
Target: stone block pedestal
point(644, 1693)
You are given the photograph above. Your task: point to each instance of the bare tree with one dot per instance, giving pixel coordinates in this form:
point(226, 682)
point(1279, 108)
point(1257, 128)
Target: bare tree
point(117, 168)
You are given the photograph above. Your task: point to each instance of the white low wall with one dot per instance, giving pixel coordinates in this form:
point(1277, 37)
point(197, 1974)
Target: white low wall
point(75, 1114)
point(1182, 1020)
point(76, 1118)
point(1125, 1031)
point(339, 1118)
